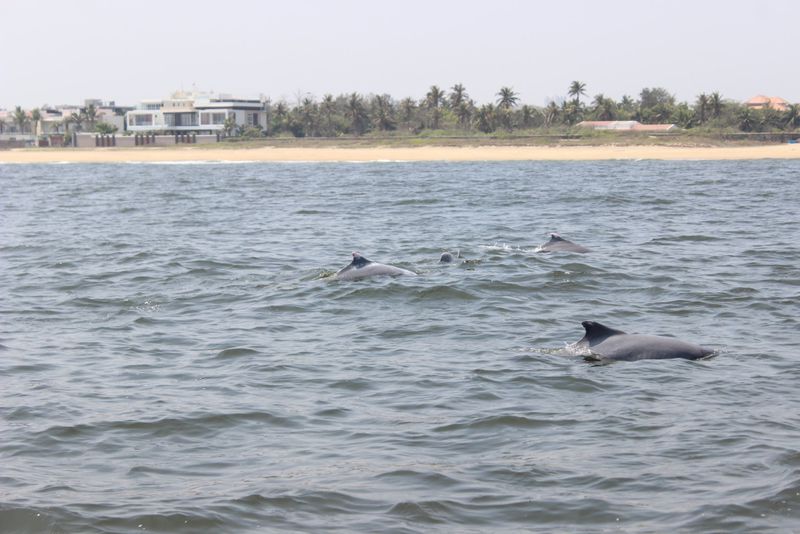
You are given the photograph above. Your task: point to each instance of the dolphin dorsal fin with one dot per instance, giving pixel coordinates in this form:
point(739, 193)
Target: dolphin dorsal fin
point(556, 237)
point(597, 333)
point(359, 260)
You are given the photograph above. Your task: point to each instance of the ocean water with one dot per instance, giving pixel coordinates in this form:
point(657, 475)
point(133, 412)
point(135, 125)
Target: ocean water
point(174, 356)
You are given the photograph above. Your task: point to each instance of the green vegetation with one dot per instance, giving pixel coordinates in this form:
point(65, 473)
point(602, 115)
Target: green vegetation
point(452, 117)
point(454, 114)
point(105, 129)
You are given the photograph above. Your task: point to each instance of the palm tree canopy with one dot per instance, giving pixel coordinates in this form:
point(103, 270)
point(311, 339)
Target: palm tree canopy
point(458, 95)
point(20, 118)
point(507, 98)
point(577, 89)
point(434, 97)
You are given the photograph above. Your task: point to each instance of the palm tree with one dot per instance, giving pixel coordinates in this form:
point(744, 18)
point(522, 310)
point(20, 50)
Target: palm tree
point(464, 113)
point(408, 108)
point(383, 112)
point(576, 89)
point(77, 119)
point(605, 109)
point(702, 105)
point(20, 119)
point(551, 113)
point(308, 115)
point(627, 106)
point(229, 125)
point(571, 112)
point(280, 114)
point(91, 116)
point(458, 96)
point(683, 115)
point(356, 113)
point(528, 113)
point(507, 98)
point(433, 99)
point(327, 108)
point(747, 120)
point(792, 117)
point(485, 118)
point(716, 104)
point(36, 117)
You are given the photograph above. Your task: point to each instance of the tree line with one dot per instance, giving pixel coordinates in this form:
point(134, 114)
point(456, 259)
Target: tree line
point(453, 111)
point(86, 118)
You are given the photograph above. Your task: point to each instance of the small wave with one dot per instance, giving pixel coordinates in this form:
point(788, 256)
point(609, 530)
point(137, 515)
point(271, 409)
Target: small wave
point(200, 425)
point(445, 293)
point(354, 384)
point(505, 247)
point(318, 503)
point(500, 421)
point(574, 349)
point(332, 412)
point(431, 512)
point(236, 352)
point(311, 212)
point(691, 238)
point(416, 202)
point(409, 476)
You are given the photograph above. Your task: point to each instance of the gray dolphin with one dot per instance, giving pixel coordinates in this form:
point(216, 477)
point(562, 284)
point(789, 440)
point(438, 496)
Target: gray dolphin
point(559, 244)
point(450, 257)
point(607, 344)
point(361, 267)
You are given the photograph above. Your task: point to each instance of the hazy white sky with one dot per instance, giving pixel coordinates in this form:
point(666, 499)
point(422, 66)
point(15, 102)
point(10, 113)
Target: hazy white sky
point(64, 51)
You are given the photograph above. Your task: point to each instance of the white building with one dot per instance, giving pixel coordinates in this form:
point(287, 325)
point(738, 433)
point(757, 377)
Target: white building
point(187, 112)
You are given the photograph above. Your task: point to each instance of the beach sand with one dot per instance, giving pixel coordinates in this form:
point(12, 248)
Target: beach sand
point(377, 153)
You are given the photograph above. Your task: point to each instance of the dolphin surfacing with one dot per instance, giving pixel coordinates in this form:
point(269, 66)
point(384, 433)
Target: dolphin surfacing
point(361, 267)
point(559, 244)
point(450, 257)
point(607, 344)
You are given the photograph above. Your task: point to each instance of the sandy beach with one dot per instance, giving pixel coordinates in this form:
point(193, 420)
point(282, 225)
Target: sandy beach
point(428, 153)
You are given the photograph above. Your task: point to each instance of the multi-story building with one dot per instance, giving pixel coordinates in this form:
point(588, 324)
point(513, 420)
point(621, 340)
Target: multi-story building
point(186, 112)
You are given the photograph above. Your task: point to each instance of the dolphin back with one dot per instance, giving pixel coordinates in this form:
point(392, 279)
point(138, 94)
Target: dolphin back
point(615, 345)
point(558, 243)
point(361, 267)
point(633, 347)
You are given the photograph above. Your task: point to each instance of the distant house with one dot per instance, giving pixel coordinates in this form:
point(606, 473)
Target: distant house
point(767, 102)
point(627, 126)
point(58, 119)
point(186, 112)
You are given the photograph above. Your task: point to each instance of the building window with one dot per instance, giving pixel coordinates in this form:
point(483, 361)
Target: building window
point(218, 118)
point(143, 120)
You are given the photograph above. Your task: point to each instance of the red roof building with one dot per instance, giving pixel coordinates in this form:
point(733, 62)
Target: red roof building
point(764, 102)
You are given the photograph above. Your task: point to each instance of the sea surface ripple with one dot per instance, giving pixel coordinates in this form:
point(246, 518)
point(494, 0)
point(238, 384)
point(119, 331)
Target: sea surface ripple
point(174, 356)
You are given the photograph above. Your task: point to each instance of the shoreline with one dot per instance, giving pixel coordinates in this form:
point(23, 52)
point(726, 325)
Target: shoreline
point(400, 154)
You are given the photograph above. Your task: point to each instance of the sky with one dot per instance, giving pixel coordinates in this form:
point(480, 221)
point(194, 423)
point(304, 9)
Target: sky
point(63, 52)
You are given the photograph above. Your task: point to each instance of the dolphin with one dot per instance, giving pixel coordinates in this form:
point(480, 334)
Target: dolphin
point(607, 344)
point(449, 257)
point(559, 244)
point(361, 267)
